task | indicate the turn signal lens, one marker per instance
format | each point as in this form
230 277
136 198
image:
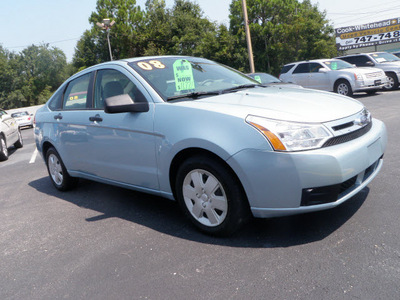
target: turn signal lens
275 141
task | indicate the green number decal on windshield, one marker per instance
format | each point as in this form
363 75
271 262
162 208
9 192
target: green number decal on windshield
334 65
258 78
183 74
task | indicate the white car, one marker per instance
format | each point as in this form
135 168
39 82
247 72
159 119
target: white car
10 134
388 62
23 118
334 75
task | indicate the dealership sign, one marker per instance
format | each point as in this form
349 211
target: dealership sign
371 34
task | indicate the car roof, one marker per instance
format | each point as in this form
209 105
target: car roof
311 60
125 61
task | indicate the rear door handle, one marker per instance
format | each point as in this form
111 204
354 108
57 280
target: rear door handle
58 117
96 118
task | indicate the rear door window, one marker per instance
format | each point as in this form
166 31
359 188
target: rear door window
76 94
302 68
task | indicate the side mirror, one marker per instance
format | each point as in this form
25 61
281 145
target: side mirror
124 103
369 63
323 70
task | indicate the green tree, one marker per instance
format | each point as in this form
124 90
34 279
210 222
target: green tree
125 35
29 78
283 31
7 77
40 68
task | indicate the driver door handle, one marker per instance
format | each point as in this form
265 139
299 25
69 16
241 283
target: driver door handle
96 118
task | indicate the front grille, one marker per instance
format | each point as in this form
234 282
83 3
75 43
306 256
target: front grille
348 136
373 75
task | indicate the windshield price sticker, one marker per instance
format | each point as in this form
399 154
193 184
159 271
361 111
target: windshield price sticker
258 78
148 66
183 75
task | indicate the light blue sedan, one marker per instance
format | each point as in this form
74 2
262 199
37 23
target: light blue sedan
220 143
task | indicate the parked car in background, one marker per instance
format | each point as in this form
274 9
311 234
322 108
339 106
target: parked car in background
10 134
334 75
397 53
270 80
388 62
221 144
23 118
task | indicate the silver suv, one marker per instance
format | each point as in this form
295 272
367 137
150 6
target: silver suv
10 134
386 61
334 75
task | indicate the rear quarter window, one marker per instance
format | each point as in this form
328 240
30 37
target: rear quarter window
286 68
56 101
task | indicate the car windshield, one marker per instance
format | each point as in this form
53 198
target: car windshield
19 114
264 78
384 57
175 77
337 64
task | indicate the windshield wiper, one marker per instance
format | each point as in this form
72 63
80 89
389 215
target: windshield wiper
192 95
239 87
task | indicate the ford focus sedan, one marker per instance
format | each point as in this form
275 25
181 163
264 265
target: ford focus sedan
218 142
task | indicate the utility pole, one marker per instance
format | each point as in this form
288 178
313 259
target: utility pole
106 25
248 37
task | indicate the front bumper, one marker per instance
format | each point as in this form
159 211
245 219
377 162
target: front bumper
370 84
276 183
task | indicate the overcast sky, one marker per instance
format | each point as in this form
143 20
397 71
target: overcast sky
62 22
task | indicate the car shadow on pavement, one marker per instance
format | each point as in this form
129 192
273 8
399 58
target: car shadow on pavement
164 216
365 95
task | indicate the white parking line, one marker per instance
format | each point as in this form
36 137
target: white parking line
33 157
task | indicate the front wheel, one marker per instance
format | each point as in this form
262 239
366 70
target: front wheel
57 171
343 87
393 82
211 196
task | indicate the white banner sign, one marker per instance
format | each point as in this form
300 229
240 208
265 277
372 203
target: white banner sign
377 33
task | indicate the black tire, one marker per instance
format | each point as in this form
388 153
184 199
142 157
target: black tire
3 148
20 142
211 196
343 87
371 92
393 82
57 171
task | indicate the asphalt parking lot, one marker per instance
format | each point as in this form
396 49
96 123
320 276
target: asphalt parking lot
104 242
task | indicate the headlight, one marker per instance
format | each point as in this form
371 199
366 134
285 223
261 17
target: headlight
290 136
358 76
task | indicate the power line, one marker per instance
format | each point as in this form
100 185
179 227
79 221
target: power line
50 43
364 13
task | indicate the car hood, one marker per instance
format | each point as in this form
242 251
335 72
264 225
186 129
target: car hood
392 64
363 70
283 103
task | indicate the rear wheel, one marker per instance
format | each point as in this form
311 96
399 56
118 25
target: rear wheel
343 87
57 171
3 149
211 196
